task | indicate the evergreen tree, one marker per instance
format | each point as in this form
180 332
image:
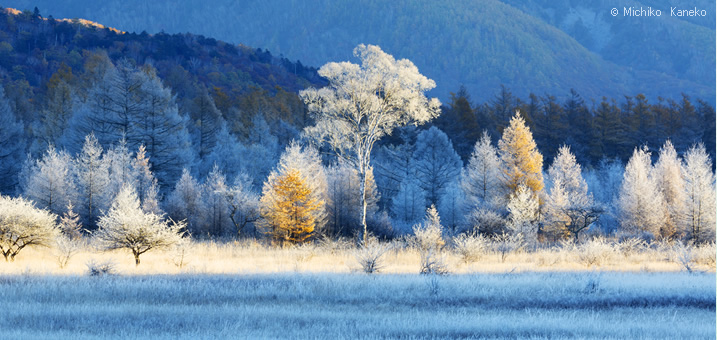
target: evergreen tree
641 203
49 181
522 163
186 203
12 146
670 183
436 162
700 191
92 174
288 208
481 179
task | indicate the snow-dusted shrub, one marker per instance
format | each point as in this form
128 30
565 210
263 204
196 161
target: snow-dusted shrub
630 245
66 248
705 254
505 243
429 234
594 252
101 268
370 255
471 246
22 225
433 262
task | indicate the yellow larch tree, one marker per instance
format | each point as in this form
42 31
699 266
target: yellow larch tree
523 164
288 208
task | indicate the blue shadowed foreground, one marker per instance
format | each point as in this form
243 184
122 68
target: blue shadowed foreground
331 306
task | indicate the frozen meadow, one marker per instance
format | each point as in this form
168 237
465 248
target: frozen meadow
250 290
334 306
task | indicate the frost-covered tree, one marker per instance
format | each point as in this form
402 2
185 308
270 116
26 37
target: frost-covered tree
640 203
121 169
22 225
522 163
162 131
450 206
569 209
410 202
186 203
604 184
57 113
132 103
436 162
481 179
671 184
207 121
92 173
146 184
363 103
244 208
126 226
218 221
393 163
699 182
12 146
523 213
70 224
49 181
227 154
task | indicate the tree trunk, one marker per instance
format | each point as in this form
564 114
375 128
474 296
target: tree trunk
362 183
136 259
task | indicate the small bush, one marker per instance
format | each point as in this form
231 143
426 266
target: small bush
470 247
705 255
432 262
101 268
370 255
630 245
594 252
505 243
429 234
66 248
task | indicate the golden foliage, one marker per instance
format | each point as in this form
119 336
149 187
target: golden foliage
288 208
523 162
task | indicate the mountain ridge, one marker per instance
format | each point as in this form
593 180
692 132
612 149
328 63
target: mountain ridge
479 45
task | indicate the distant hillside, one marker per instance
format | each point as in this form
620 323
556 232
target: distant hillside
36 53
539 46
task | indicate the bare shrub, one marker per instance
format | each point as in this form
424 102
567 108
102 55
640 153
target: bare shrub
505 243
471 246
433 262
304 252
594 252
684 256
66 248
429 234
333 246
370 255
101 268
179 253
705 254
428 240
630 245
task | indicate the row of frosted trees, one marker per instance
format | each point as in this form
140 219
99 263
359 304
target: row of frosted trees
503 189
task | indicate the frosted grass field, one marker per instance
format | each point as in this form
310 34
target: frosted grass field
340 306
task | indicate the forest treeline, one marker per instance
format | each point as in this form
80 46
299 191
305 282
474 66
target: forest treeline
204 132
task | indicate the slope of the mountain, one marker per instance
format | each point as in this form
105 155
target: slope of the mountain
33 49
536 46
